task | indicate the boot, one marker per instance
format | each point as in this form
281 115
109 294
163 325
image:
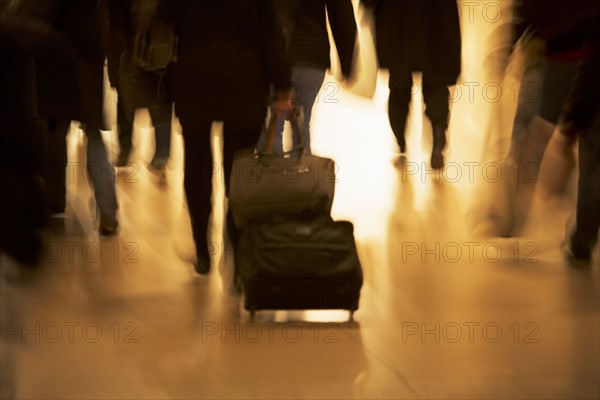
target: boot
439 143
398 127
398 113
162 134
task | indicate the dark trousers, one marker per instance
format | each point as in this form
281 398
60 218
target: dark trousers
435 95
125 126
588 190
55 163
141 89
199 168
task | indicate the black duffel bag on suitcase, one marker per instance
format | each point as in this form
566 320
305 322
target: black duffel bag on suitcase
298 265
265 186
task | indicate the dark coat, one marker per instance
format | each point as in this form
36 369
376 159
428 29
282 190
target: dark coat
309 42
118 32
561 23
583 103
418 35
77 24
21 135
20 142
113 36
229 53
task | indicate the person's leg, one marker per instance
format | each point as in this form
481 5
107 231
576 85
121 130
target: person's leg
400 96
547 100
585 235
161 117
125 130
437 108
55 164
398 113
306 83
198 171
540 108
132 95
557 79
528 106
102 176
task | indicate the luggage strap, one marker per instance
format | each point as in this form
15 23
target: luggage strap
296 118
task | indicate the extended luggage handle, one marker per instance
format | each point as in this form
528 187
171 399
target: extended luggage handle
296 118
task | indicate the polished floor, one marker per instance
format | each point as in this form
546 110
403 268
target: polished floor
449 310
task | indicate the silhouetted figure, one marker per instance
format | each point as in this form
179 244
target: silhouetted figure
22 216
78 22
229 55
21 148
413 36
138 87
551 37
304 24
581 119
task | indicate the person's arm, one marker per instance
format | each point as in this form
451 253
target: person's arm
343 28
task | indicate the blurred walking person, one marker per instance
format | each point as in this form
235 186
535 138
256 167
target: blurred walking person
129 27
304 24
419 36
77 21
551 42
581 120
230 53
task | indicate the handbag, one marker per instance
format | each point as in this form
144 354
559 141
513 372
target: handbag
155 43
268 187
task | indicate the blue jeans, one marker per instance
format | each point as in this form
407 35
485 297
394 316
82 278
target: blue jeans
306 83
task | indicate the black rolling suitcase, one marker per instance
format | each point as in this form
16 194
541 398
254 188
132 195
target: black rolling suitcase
298 265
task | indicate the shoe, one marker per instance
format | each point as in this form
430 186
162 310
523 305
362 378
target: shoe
52 208
578 260
402 144
158 164
202 265
439 144
109 226
399 161
122 160
578 254
437 159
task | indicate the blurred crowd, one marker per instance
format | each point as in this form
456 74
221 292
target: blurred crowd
237 61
